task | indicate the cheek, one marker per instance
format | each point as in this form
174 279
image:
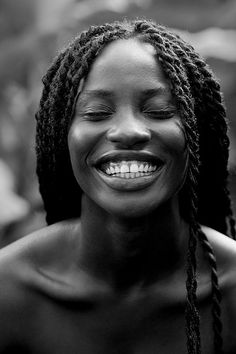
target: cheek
180 153
78 144
175 146
173 139
179 149
81 140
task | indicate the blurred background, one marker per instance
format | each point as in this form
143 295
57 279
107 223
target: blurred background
31 33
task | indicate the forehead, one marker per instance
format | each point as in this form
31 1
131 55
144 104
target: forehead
126 64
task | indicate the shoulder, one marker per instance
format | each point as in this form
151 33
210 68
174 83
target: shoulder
21 275
21 279
52 247
43 245
224 249
24 290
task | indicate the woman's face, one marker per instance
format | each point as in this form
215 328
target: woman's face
126 142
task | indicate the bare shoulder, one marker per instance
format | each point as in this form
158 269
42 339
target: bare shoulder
41 244
21 261
225 251
21 283
49 248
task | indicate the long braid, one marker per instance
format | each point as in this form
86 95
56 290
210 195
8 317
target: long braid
216 294
197 95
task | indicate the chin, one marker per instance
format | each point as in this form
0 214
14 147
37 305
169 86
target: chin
133 208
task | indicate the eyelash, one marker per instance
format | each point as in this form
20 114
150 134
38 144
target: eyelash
155 114
97 115
161 114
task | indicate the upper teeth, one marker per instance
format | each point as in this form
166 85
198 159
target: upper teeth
129 167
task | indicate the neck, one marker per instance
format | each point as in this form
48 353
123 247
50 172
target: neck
140 250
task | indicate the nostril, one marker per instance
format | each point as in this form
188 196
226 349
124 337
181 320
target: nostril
129 137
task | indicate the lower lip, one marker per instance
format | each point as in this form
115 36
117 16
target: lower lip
130 184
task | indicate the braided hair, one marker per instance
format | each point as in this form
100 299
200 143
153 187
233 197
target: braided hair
204 199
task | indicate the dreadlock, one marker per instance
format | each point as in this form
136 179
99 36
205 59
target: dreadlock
204 198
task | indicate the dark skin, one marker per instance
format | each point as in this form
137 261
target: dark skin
113 281
48 304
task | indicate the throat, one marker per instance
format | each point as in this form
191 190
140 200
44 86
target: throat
132 251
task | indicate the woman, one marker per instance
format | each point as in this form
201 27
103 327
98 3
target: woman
132 153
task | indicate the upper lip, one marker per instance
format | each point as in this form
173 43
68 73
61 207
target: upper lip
144 156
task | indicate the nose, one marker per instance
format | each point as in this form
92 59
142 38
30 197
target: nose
128 130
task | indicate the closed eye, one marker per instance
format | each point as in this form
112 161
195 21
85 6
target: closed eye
97 115
95 112
159 114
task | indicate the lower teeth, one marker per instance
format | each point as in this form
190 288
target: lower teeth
130 175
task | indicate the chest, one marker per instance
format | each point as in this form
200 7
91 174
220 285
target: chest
121 328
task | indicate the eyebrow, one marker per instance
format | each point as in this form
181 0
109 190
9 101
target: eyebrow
159 91
96 93
144 94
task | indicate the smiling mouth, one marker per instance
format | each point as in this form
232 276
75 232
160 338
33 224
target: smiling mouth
129 169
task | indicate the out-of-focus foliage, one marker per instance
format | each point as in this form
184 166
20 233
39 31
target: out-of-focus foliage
31 32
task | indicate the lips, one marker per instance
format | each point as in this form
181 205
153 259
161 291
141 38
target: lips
128 170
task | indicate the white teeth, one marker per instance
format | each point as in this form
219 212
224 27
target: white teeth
124 168
117 170
129 169
134 167
141 167
112 169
